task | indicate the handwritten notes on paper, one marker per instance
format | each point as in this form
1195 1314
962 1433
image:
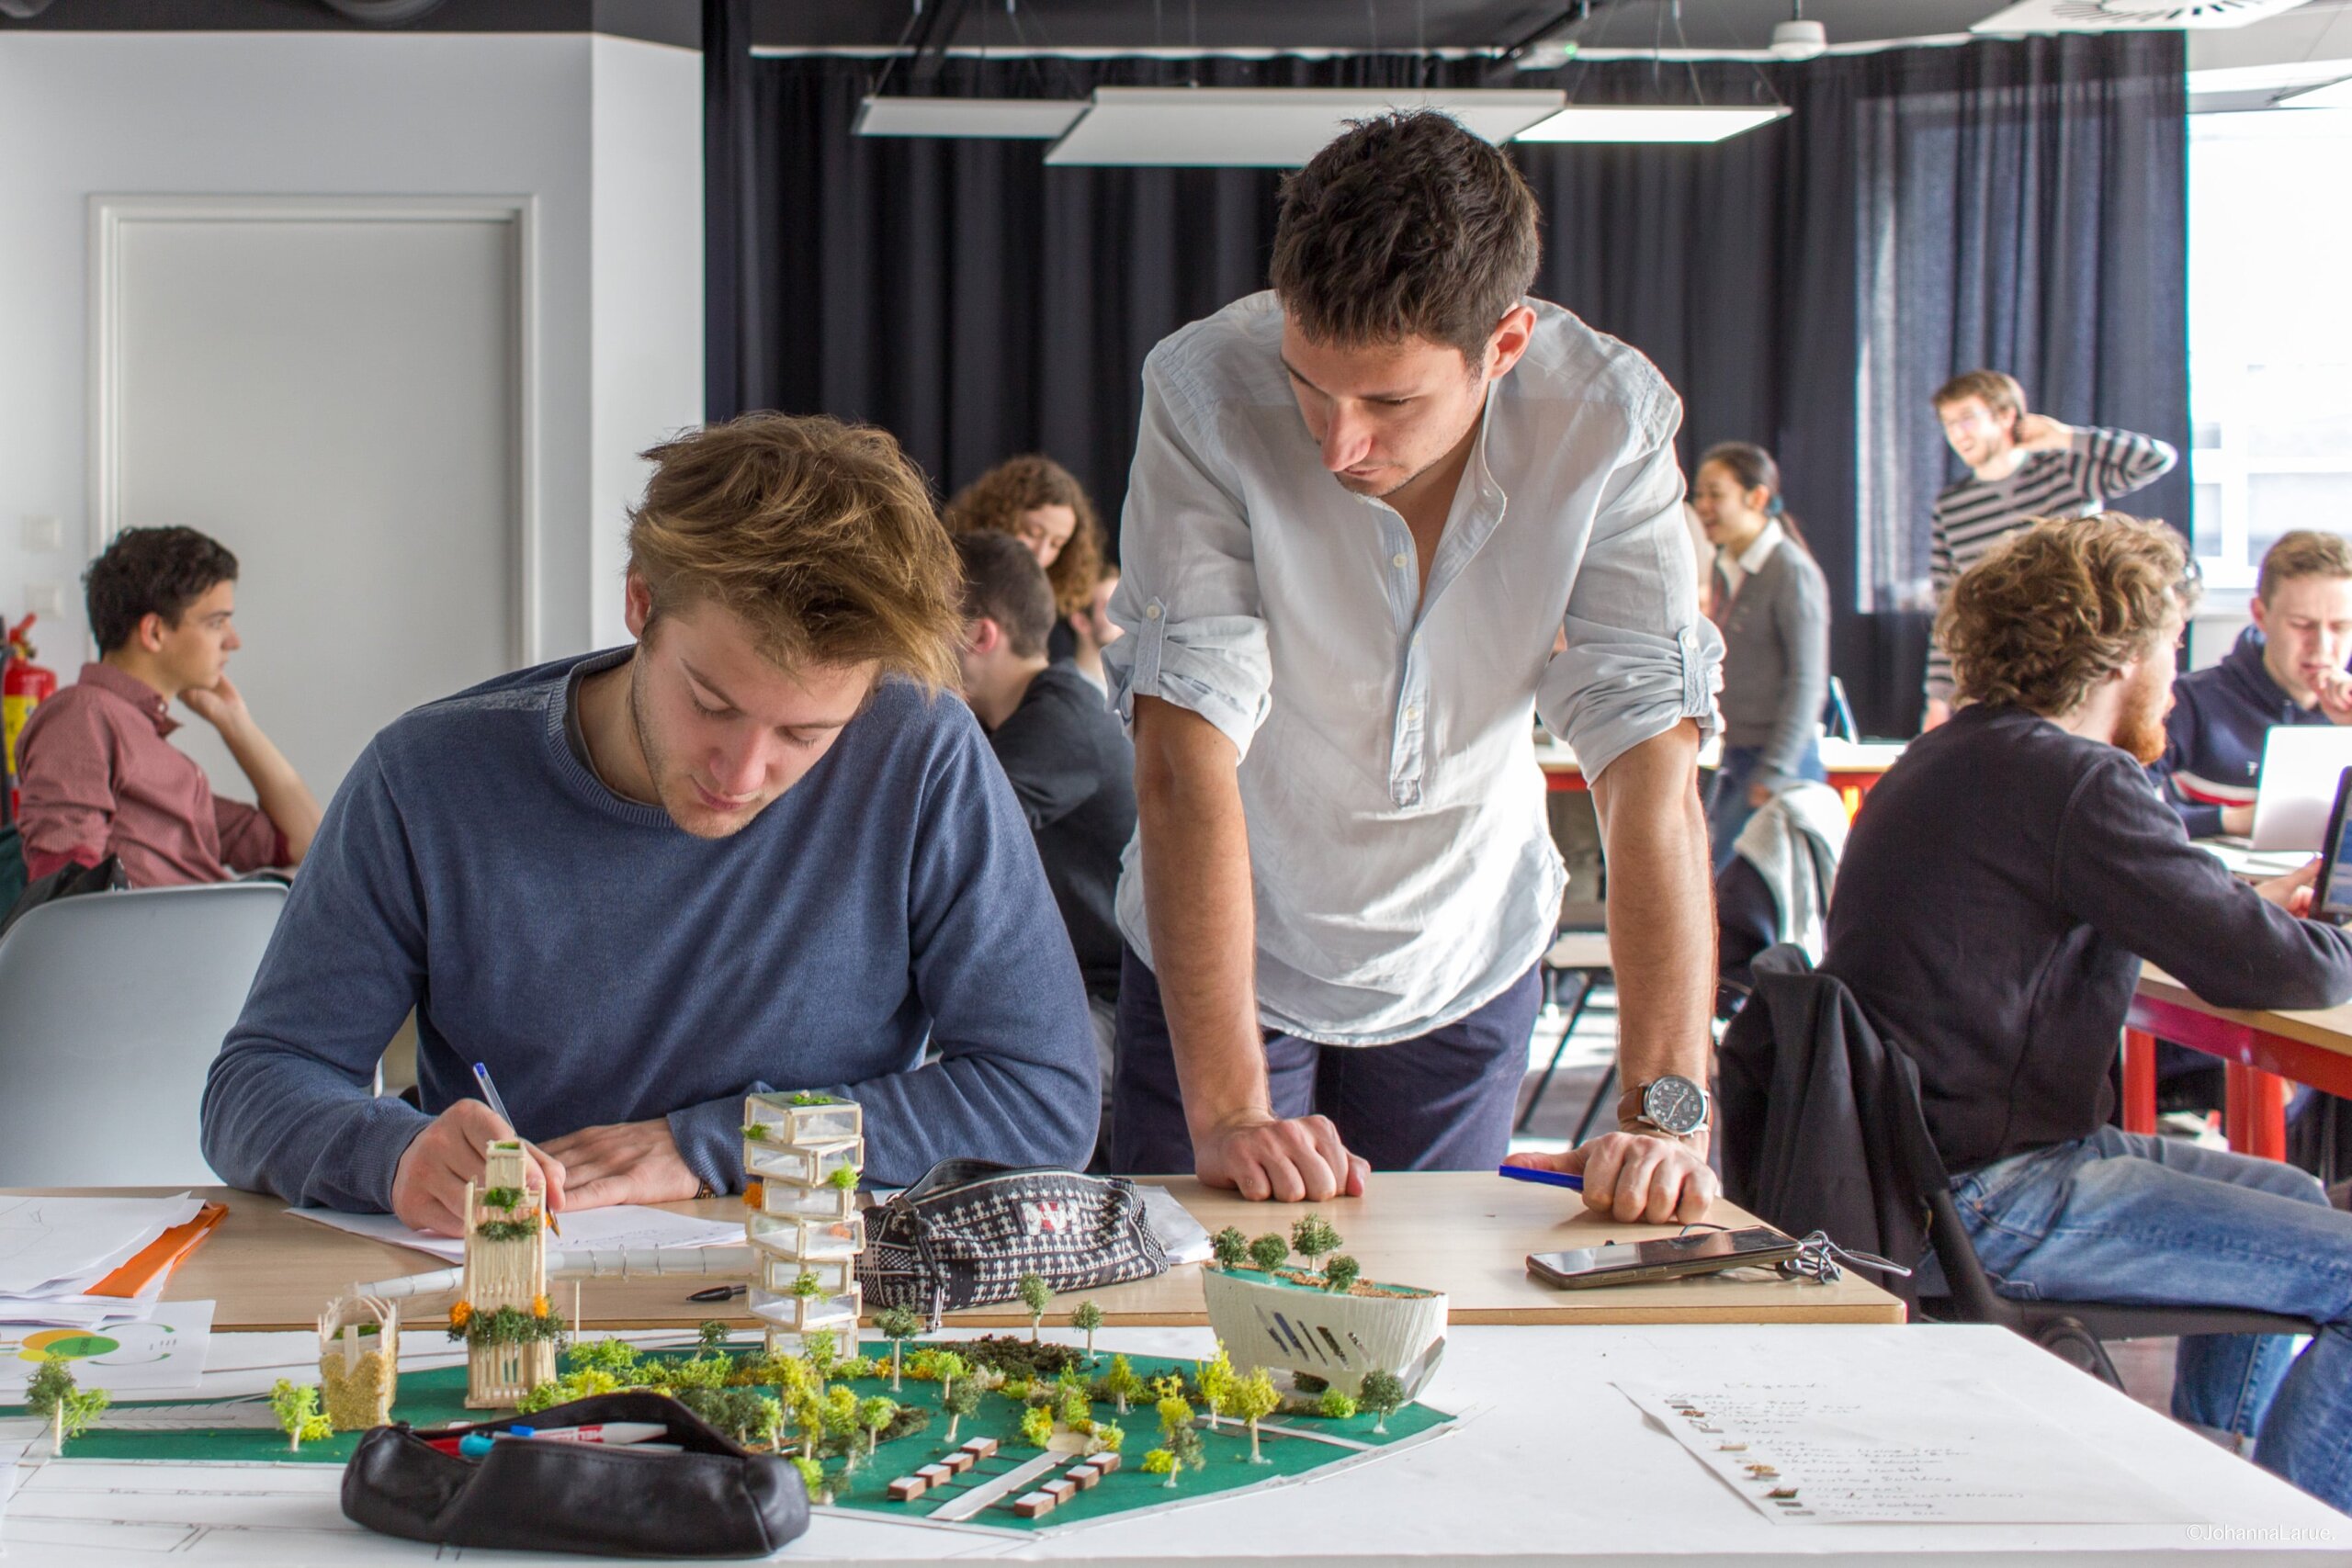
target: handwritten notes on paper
1931 1453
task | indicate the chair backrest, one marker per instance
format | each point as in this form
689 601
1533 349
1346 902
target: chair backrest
112 1008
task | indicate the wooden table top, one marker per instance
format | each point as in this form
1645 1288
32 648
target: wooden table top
2328 1029
1464 1233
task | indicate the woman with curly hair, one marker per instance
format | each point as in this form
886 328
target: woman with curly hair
1042 504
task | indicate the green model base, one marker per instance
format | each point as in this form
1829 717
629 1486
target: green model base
437 1398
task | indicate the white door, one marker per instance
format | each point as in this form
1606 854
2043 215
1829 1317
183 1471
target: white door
335 390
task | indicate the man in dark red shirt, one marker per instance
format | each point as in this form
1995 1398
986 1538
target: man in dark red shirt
99 778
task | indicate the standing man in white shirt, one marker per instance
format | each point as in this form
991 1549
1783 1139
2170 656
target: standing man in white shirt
1362 508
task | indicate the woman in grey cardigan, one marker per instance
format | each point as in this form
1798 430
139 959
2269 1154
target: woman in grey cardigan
1774 607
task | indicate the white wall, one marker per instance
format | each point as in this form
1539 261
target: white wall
603 133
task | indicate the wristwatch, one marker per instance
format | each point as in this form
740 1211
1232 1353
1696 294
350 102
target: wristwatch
1669 1103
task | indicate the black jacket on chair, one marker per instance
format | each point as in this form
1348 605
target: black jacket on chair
1819 1117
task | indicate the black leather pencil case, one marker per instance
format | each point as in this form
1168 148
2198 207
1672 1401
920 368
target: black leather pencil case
712 1499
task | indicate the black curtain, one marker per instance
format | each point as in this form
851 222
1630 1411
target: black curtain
978 303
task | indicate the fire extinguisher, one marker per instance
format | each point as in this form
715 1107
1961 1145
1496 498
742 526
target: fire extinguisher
24 686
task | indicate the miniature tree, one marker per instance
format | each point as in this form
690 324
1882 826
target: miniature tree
1185 1447
769 1428
1335 1406
806 1283
808 1419
297 1408
1087 1317
812 1478
1340 1273
1072 1405
1037 1426
1034 1295
844 1178
1312 1237
1109 1438
897 1325
1231 1248
1160 1462
873 1414
961 1399
817 1347
1175 1415
1254 1397
1268 1252
1382 1391
710 1339
1122 1383
950 1369
1216 1381
70 1410
617 1357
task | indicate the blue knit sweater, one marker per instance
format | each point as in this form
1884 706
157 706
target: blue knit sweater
2213 736
608 967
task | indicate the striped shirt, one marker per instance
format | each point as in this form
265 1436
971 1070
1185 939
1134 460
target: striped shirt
2096 466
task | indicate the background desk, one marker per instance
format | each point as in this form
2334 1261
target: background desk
2261 1049
1464 1233
1550 1464
1853 766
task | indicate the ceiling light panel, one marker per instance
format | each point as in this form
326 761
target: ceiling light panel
2128 16
1643 122
1011 119
1269 127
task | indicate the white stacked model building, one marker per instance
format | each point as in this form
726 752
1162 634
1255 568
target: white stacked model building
506 1271
803 1154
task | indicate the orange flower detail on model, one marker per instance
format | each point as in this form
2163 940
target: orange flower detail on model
539 1306
459 1312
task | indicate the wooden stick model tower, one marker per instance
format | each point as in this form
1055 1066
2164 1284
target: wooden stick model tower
803 1154
502 1310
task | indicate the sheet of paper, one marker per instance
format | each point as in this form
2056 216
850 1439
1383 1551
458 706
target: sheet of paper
1928 1453
62 1246
165 1354
626 1224
1185 1238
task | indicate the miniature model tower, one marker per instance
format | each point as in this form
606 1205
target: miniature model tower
802 1154
502 1310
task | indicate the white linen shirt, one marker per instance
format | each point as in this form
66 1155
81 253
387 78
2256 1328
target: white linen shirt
1403 868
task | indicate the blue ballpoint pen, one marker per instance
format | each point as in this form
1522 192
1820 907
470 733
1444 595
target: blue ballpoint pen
1548 1177
490 1095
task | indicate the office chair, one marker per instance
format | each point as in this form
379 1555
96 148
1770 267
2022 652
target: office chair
112 1007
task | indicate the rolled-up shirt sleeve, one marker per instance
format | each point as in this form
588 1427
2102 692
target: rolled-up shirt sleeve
1188 586
1640 659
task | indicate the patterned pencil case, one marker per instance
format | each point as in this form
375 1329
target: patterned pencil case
965 1233
711 1499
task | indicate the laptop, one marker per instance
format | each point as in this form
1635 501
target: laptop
2301 765
2332 894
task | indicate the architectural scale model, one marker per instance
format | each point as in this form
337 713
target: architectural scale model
1320 1323
502 1311
359 1361
802 1154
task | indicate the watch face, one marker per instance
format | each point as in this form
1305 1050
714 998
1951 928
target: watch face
1676 1104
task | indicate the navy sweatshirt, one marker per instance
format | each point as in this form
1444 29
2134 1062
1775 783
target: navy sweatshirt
2215 732
1998 894
609 966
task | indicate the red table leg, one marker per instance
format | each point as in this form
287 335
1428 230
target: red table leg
2139 1081
2257 1112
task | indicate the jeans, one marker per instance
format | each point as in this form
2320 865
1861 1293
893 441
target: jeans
2127 1218
1442 1101
1728 807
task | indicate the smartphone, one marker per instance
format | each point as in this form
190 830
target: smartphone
1641 1262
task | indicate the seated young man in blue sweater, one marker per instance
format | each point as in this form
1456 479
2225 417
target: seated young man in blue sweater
2287 668
1994 906
753 852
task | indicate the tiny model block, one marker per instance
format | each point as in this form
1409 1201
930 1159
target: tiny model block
1061 1489
936 1474
1104 1462
360 1370
981 1448
501 1311
959 1462
1086 1475
906 1488
1034 1505
803 1153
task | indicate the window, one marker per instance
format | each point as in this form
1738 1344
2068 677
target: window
2269 332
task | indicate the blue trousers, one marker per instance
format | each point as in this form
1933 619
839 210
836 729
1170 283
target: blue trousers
1728 807
2129 1218
1441 1101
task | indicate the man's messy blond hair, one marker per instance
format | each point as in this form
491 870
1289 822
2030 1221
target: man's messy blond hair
820 536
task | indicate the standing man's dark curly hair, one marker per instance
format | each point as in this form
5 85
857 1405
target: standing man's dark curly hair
1406 225
151 571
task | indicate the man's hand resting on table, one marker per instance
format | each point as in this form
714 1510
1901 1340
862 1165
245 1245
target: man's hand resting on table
1263 1156
429 1183
1631 1177
627 1162
2294 891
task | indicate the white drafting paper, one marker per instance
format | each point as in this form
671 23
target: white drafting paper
1926 1453
62 1245
1184 1237
163 1354
626 1225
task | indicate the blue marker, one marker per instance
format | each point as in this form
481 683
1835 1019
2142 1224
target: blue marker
1546 1177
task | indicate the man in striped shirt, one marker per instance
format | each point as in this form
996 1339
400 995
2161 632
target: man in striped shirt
2021 467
